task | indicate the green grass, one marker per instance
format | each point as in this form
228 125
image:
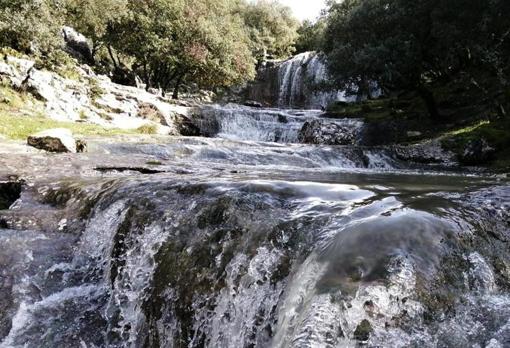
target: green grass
19 127
496 133
22 115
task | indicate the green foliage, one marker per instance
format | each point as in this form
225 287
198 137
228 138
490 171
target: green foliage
30 26
93 17
59 62
407 45
271 27
310 36
173 42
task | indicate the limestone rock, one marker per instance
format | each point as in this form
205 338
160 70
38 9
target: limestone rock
77 45
427 152
324 133
54 140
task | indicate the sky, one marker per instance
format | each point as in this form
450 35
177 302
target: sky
305 9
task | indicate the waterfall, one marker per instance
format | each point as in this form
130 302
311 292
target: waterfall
237 122
178 261
298 78
296 83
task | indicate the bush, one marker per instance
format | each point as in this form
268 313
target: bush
147 129
60 62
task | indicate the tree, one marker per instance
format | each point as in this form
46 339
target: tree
184 41
271 27
92 18
408 45
310 36
31 26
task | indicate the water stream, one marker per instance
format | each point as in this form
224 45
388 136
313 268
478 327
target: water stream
250 238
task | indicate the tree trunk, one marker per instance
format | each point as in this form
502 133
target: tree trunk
146 77
168 80
430 102
110 52
177 86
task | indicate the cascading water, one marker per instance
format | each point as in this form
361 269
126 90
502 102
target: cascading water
266 234
298 79
297 83
237 122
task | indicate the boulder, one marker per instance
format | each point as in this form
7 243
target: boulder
77 45
185 126
476 152
323 133
54 140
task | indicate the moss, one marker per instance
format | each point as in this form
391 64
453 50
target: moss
496 133
363 331
8 51
83 115
147 129
154 163
375 110
95 90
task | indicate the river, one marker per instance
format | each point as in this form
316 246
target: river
250 238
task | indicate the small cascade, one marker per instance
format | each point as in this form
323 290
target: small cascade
179 262
237 122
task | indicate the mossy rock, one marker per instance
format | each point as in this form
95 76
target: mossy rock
363 331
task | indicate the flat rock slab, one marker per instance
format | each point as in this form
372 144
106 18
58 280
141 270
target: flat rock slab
53 140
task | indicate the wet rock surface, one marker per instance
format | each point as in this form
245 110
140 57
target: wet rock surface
324 133
477 152
10 192
221 242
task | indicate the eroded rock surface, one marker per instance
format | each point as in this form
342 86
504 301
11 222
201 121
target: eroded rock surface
326 133
94 99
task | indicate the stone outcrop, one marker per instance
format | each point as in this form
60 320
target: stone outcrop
94 98
77 45
428 152
56 140
325 133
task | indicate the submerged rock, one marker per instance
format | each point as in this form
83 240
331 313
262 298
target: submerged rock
9 192
55 140
477 152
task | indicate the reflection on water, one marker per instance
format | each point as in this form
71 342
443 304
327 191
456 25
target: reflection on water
246 244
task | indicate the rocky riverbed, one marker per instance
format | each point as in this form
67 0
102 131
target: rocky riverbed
240 239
